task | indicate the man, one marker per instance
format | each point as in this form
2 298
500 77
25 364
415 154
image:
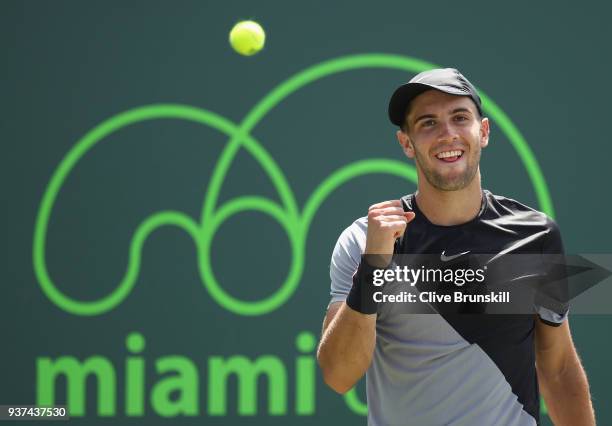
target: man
439 369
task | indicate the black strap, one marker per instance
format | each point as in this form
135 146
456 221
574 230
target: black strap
399 242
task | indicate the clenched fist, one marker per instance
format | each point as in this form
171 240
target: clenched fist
386 222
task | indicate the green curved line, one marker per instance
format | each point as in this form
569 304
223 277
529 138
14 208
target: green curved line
159 219
223 165
291 282
283 90
351 171
525 154
78 151
404 63
355 404
287 214
255 202
325 69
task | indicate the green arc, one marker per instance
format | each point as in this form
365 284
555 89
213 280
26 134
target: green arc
287 214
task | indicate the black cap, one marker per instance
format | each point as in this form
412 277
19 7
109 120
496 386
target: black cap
447 80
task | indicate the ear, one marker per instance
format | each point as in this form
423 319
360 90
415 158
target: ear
406 143
484 132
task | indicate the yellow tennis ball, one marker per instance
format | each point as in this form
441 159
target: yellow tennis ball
247 38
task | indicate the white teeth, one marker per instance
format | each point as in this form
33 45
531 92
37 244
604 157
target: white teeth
446 154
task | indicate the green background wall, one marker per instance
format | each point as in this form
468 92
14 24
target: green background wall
69 65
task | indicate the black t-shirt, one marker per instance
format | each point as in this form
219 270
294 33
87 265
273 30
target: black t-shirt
502 225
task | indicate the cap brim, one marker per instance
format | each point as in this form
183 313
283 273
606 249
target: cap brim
403 95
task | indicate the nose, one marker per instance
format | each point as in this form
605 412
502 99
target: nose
448 133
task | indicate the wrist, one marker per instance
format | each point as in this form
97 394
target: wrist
361 295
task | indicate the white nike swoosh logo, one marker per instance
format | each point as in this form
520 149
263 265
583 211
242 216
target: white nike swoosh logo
445 258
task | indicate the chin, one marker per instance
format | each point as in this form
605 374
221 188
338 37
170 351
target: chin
454 186
450 183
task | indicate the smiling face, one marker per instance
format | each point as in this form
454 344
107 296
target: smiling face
444 134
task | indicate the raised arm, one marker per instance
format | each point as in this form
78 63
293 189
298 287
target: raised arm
349 329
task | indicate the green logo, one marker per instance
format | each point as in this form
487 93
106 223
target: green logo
181 383
294 221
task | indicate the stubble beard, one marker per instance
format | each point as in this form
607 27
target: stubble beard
455 183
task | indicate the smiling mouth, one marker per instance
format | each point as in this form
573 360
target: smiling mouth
450 156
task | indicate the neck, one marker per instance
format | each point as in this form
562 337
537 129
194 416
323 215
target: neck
449 208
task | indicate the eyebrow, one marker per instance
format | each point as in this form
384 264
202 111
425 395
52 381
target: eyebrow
455 111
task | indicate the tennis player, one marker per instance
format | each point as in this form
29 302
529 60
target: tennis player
435 369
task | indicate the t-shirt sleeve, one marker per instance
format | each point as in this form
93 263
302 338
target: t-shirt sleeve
552 305
345 259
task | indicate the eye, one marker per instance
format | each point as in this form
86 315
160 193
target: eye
429 123
461 118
